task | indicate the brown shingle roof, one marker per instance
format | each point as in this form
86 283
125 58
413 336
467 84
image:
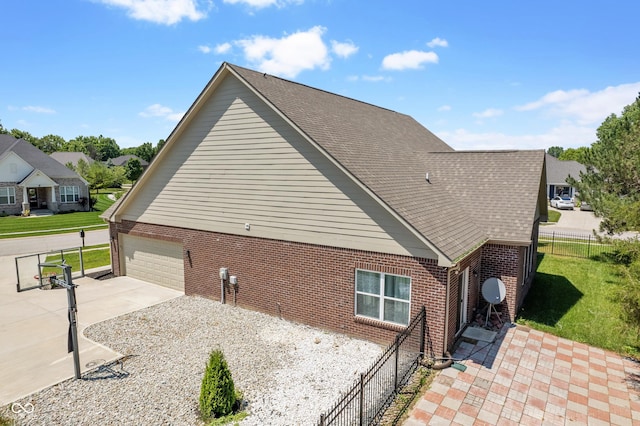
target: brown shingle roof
123 159
497 189
558 170
384 150
36 158
470 198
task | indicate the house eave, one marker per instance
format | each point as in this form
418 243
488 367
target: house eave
510 242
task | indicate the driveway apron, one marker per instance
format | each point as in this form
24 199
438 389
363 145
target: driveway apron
527 377
34 328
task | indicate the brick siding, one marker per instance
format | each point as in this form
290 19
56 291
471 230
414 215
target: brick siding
315 285
306 283
83 192
504 262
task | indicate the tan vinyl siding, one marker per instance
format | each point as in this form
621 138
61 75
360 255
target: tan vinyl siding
239 162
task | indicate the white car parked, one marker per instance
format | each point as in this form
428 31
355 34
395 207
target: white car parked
562 202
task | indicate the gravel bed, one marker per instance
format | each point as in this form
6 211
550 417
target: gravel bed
289 373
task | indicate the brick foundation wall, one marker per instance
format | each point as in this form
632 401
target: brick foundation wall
306 283
504 262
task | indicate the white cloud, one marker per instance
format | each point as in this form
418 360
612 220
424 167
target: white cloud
38 109
157 110
369 78
375 78
344 50
289 55
583 106
438 42
564 134
175 116
223 48
559 96
412 59
488 113
260 4
444 108
204 49
167 12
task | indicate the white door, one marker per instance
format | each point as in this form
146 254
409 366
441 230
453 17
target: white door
463 299
155 261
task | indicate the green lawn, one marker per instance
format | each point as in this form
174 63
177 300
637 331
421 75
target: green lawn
554 216
92 257
15 226
572 246
576 299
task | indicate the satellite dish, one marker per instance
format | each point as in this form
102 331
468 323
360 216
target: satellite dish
494 291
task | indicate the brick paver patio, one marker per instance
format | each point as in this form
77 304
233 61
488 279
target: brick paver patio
527 377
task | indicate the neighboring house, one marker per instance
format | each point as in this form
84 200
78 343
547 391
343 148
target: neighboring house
30 179
65 158
124 159
329 211
557 173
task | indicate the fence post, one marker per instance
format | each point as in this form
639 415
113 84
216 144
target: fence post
361 422
423 312
395 369
589 246
553 240
81 261
322 421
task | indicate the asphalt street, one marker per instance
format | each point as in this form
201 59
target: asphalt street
42 244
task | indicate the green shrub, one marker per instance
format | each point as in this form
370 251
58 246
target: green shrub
217 393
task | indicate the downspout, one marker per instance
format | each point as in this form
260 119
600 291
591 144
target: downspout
446 312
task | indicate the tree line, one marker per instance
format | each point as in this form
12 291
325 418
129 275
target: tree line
575 154
98 148
611 185
100 173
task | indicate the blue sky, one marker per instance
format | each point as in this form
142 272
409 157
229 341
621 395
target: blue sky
481 75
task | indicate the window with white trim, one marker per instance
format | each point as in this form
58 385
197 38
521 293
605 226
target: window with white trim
7 195
69 194
384 297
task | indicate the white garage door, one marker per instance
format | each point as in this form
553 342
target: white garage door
155 261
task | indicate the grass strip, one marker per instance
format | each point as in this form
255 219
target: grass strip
92 257
16 226
577 299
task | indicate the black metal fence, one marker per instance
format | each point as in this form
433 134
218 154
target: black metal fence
571 244
367 400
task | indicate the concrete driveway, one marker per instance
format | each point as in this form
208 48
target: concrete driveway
574 221
580 222
34 327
